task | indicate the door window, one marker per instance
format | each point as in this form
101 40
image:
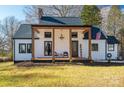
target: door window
48 48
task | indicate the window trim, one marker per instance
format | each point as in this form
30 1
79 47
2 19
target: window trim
51 49
20 47
45 34
112 47
76 34
97 47
27 48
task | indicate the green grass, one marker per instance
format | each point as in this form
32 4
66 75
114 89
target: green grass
68 75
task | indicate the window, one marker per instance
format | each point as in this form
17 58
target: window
110 47
47 35
22 48
94 47
74 34
29 48
48 48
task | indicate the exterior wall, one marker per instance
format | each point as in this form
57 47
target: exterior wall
80 41
60 45
115 52
96 55
63 45
21 56
39 44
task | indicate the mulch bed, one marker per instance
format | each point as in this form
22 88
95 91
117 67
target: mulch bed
31 64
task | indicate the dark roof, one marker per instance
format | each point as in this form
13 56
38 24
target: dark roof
72 21
112 40
25 30
94 31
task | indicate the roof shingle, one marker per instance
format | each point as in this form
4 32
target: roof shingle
45 20
25 30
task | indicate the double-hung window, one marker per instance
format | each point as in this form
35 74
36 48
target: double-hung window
95 47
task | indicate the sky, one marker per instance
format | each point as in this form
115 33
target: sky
17 11
12 10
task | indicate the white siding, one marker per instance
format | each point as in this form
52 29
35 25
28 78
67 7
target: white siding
21 56
96 55
62 45
115 52
39 44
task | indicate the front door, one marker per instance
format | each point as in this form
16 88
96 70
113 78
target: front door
74 48
48 48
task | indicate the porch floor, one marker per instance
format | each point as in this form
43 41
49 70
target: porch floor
73 58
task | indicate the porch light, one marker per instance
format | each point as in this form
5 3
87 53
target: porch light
61 36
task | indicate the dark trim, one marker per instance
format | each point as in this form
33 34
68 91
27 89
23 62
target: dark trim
27 48
44 48
14 50
92 47
106 50
76 34
19 48
40 25
113 47
45 34
77 48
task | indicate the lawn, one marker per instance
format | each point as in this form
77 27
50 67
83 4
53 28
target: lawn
61 76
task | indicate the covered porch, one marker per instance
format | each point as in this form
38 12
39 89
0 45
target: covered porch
54 56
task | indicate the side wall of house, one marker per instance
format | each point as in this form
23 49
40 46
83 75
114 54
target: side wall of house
96 55
21 56
115 52
62 45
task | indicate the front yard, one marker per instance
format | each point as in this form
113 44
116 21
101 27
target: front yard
67 75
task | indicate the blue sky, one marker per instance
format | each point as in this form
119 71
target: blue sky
17 11
12 10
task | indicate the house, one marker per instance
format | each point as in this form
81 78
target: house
62 39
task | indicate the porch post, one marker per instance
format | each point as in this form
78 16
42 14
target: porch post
90 45
33 47
53 45
70 45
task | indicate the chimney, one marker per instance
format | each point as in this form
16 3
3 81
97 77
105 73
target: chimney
40 14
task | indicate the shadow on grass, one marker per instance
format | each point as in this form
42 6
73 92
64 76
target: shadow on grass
102 64
84 63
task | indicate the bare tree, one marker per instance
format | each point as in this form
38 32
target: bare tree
32 12
2 41
8 28
65 10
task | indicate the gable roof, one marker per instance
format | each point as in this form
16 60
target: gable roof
94 31
25 30
71 21
112 40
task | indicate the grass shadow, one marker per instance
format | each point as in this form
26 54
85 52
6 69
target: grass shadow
102 64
